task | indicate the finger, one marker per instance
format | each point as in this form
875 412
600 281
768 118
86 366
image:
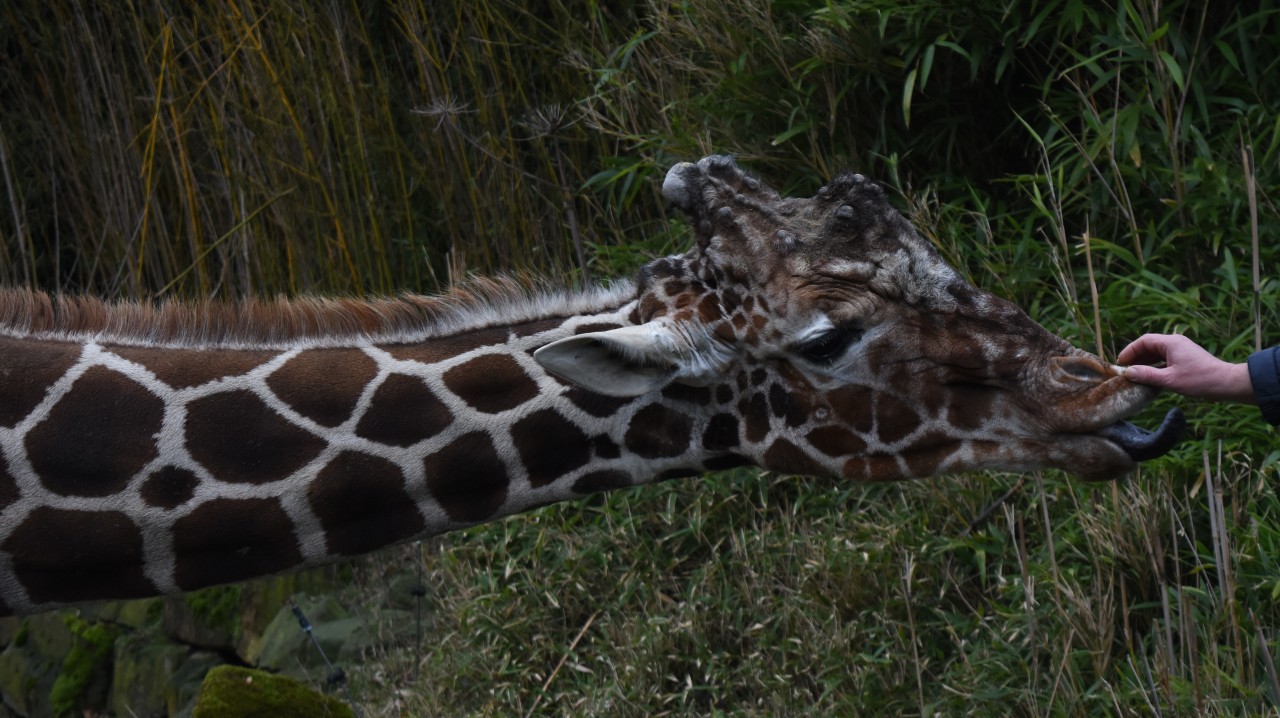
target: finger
1141 374
1146 349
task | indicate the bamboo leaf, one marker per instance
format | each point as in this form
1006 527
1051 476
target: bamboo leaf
908 89
1174 70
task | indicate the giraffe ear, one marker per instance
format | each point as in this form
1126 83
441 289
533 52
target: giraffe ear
628 361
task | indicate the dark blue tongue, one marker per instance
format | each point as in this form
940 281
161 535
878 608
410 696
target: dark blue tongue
1141 444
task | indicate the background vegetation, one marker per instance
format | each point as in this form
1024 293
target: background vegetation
1111 166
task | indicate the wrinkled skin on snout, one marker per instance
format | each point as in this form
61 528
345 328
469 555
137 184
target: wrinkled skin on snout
830 339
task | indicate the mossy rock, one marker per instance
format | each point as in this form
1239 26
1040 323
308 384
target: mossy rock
86 671
33 662
11 628
231 619
142 678
139 613
234 692
286 647
24 681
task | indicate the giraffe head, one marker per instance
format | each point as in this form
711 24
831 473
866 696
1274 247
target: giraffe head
829 338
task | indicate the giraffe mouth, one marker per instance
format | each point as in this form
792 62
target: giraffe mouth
1141 444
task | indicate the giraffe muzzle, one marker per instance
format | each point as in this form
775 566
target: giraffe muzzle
1143 445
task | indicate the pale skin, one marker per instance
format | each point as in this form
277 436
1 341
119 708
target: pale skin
1188 369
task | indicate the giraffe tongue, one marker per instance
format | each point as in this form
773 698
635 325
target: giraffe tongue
1141 444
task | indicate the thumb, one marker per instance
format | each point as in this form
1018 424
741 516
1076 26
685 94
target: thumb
1142 374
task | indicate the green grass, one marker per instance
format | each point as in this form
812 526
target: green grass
1092 161
763 595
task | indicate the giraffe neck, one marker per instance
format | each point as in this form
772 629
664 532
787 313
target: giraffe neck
132 468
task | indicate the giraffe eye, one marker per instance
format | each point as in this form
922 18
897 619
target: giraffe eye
831 344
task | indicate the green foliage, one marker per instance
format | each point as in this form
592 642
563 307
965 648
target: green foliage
89 655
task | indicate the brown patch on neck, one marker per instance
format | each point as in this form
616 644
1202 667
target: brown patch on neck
324 384
27 370
184 368
97 551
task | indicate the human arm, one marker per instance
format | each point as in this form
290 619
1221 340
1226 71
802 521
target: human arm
1188 369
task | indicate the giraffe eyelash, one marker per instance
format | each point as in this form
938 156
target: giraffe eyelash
831 344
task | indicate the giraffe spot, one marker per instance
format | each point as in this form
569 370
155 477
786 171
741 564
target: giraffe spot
788 458
239 439
437 349
779 402
467 478
597 405
324 384
925 455
169 487
858 468
721 433
8 486
970 408
550 446
539 326
63 555
28 368
605 448
657 431
403 412
895 418
672 287
709 308
362 504
728 461
595 327
853 406
597 481
731 299
699 395
491 383
794 398
724 394
97 436
226 540
650 306
183 368
835 441
684 473
755 411
758 377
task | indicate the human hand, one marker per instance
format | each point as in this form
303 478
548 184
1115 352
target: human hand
1188 369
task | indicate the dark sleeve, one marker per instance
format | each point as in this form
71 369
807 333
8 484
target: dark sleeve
1264 372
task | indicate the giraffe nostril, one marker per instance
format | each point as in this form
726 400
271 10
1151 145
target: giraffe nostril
1082 369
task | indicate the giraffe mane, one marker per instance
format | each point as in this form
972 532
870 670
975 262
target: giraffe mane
255 322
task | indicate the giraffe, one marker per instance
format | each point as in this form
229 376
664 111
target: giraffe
156 449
